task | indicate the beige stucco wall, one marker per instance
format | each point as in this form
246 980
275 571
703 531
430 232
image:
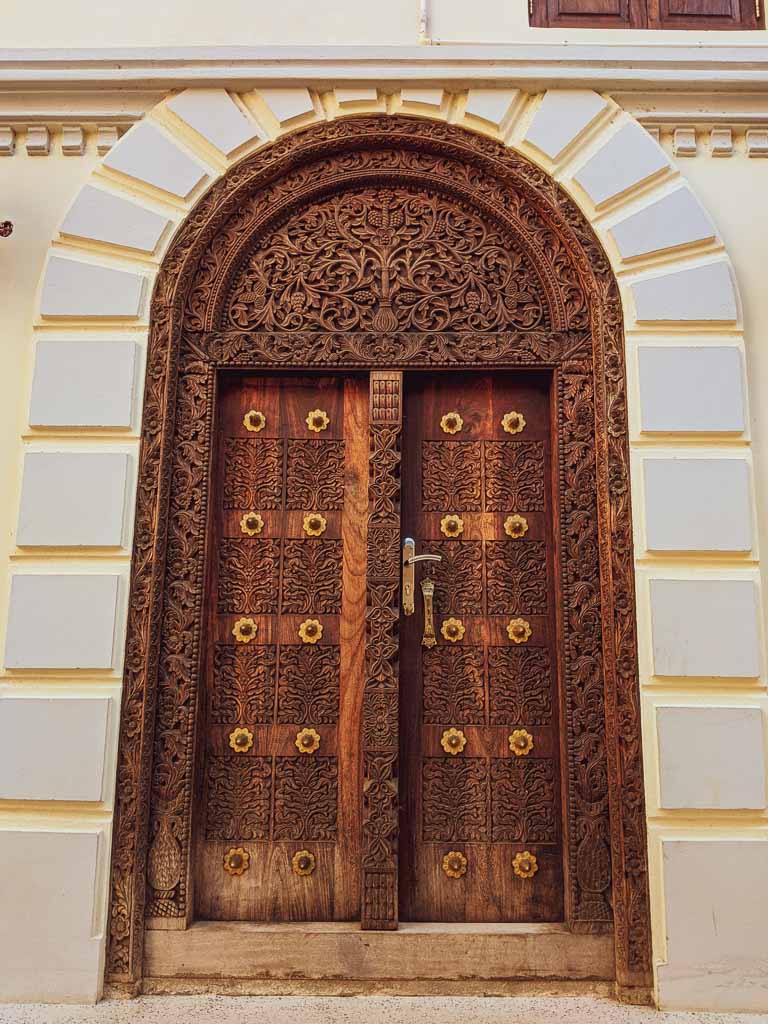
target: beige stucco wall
79 24
36 192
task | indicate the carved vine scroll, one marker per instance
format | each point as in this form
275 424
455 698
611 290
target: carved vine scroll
384 242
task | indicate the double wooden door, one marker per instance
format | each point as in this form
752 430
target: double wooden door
281 830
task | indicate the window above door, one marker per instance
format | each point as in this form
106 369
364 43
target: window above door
647 14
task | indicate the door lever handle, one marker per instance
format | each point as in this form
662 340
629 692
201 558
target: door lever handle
409 573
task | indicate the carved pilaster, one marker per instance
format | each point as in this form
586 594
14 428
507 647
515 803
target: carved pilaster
380 699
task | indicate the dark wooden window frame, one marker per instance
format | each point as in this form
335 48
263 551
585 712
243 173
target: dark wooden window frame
191 340
742 15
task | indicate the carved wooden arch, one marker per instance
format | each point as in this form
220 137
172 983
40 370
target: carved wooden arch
511 274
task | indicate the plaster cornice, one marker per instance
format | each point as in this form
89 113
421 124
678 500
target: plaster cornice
534 65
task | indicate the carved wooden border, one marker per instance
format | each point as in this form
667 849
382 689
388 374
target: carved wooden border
606 848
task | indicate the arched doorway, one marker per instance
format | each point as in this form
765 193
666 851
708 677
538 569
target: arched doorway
382 266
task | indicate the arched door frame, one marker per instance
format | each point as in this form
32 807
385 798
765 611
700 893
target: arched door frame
189 343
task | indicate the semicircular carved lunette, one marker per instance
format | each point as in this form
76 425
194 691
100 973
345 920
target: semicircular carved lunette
448 249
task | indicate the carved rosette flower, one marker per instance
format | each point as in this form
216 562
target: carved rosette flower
451 526
254 421
453 741
519 631
453 630
525 865
303 862
520 742
241 740
512 422
451 423
310 631
515 526
237 861
244 630
455 864
307 741
252 523
317 420
314 524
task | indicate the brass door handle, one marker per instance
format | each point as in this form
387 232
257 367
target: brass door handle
409 573
428 590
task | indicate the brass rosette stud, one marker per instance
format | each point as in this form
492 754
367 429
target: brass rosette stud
455 864
241 740
451 526
453 630
453 741
252 523
314 524
512 422
519 631
237 861
310 631
525 865
254 421
244 630
303 862
317 420
520 742
515 526
451 423
307 741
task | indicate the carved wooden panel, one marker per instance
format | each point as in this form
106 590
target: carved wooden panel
455 800
516 577
580 335
458 578
315 477
514 476
238 798
243 684
451 476
312 576
520 684
253 473
248 576
454 685
523 801
306 798
308 684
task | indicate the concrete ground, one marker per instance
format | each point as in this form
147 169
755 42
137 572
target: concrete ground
211 1009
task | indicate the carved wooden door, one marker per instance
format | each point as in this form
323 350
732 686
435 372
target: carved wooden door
279 832
480 836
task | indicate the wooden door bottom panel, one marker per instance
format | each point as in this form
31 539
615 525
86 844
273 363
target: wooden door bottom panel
343 952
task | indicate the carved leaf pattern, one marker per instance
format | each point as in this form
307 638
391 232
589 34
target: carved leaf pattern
453 685
239 790
253 473
396 244
384 482
248 575
451 476
458 578
384 553
380 714
308 685
523 800
312 576
380 810
514 476
243 684
454 795
520 683
306 798
516 577
315 475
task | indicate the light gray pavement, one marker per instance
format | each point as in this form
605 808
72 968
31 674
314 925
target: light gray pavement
210 1009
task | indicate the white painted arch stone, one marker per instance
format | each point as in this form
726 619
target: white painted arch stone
676 279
